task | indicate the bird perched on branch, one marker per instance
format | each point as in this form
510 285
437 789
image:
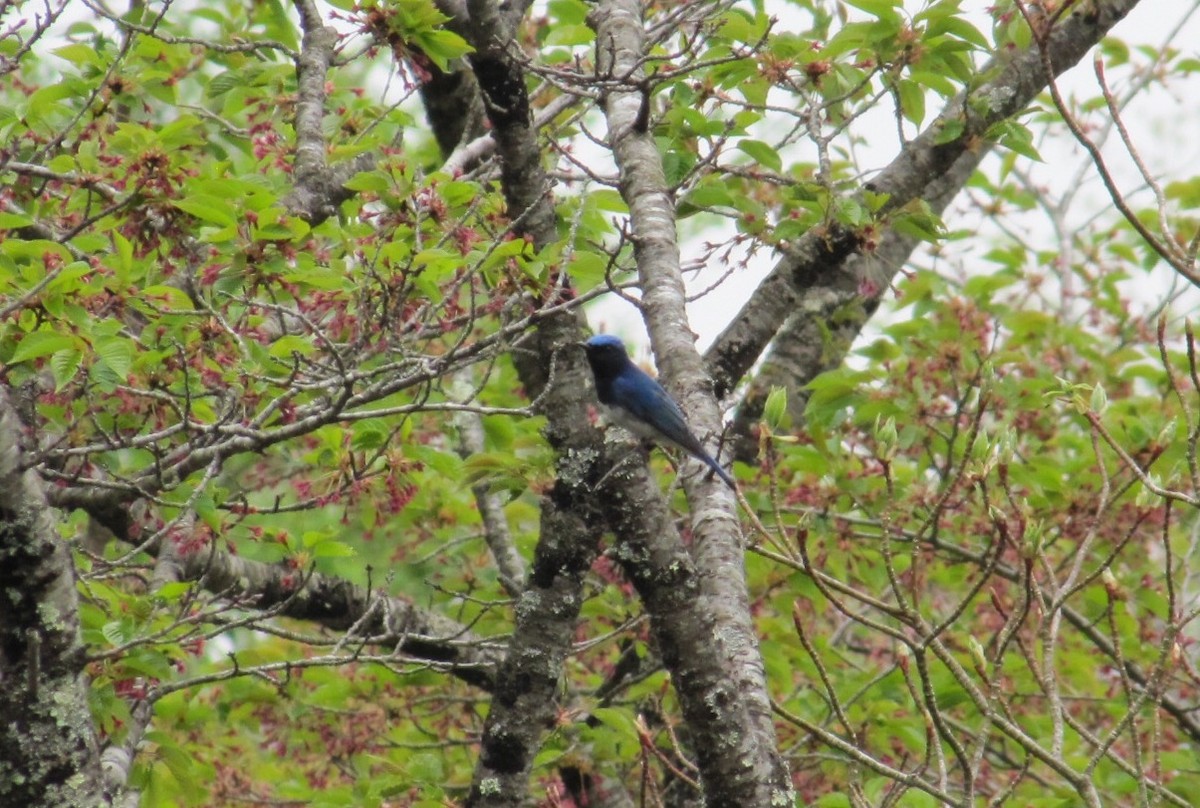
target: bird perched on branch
635 401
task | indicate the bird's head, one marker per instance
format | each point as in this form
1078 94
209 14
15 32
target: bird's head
606 354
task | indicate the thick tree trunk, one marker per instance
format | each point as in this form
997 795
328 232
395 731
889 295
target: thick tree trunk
48 752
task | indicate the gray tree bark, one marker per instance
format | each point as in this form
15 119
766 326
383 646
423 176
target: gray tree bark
48 750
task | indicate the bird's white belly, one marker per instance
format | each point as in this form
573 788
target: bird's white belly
618 416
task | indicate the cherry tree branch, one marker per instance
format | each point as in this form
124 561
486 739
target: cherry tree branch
527 684
1161 243
318 188
818 259
748 770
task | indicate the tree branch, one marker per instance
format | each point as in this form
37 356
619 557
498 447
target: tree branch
819 257
554 374
749 769
318 188
833 306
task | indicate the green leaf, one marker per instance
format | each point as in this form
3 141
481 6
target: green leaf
912 100
311 538
426 767
1187 191
376 181
116 353
949 131
288 344
333 549
959 27
763 154
569 35
938 82
174 590
208 208
117 632
568 12
64 365
676 165
1015 136
78 53
42 343
124 253
233 79
775 410
442 46
710 195
617 719
13 221
46 97
740 26
918 221
587 268
179 763
167 297
67 281
876 8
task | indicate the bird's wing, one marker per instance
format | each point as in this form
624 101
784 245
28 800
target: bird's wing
647 401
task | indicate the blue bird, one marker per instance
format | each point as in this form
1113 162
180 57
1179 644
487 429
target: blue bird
634 400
